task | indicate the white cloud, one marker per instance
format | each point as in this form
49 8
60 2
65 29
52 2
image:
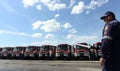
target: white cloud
51 4
46 1
72 31
37 35
45 42
49 36
72 2
37 24
54 5
36 43
69 39
57 15
77 9
13 33
67 25
23 34
39 7
76 38
50 26
87 12
93 4
28 3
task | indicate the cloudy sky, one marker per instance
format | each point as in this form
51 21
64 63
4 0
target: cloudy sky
39 22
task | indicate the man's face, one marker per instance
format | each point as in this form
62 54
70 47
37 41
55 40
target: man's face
105 20
108 19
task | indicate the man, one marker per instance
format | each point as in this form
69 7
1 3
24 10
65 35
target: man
110 49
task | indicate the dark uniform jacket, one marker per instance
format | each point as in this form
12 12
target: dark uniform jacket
111 46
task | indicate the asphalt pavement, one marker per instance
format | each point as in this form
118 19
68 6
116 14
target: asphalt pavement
48 65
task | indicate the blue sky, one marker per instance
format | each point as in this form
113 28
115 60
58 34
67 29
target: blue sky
39 22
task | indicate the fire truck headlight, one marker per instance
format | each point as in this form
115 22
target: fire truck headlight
76 54
86 54
56 54
46 54
31 55
40 54
66 54
18 54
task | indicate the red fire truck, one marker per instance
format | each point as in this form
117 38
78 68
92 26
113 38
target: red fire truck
47 52
0 51
6 52
18 52
31 52
81 51
97 47
64 51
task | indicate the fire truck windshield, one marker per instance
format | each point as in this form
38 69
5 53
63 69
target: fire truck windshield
98 45
80 47
5 49
29 49
16 49
44 48
65 47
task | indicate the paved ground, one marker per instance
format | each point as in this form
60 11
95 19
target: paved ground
44 65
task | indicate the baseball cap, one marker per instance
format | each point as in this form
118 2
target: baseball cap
108 13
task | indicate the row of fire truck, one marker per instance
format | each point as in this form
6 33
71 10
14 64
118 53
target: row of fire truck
61 51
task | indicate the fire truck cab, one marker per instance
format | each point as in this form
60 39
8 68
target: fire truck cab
97 47
32 52
6 52
18 52
0 51
47 52
81 51
64 51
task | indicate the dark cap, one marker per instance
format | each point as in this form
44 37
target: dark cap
108 13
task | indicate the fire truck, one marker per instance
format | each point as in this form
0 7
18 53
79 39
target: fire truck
81 51
47 52
93 53
64 51
6 52
32 52
18 52
97 47
0 51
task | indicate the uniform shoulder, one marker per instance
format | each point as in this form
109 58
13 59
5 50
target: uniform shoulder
114 23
